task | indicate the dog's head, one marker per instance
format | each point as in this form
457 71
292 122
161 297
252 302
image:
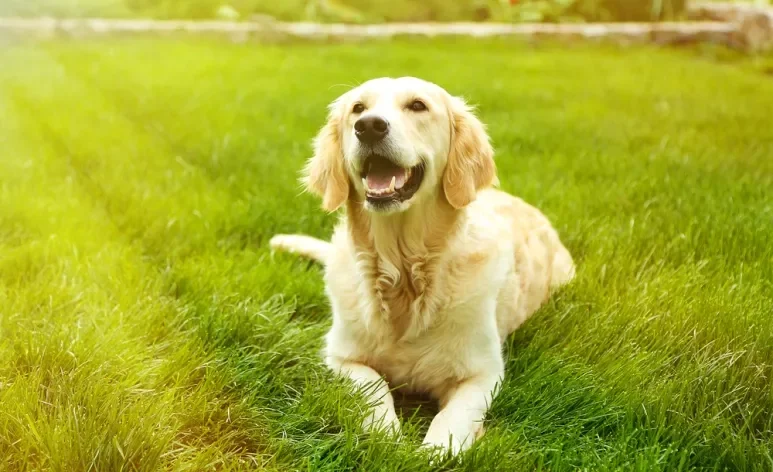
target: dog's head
396 142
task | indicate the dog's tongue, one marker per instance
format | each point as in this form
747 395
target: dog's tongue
380 176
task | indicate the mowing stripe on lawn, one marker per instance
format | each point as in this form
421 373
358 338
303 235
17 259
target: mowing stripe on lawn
105 380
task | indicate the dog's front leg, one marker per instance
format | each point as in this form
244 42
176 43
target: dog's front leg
460 421
383 415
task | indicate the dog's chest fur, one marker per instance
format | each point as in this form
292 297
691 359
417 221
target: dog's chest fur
404 296
402 317
405 324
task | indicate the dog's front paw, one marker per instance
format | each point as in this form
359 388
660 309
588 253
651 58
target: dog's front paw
382 419
443 445
448 436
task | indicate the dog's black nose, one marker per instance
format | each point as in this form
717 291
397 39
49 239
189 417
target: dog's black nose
371 129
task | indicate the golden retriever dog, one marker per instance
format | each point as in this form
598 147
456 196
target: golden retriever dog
430 268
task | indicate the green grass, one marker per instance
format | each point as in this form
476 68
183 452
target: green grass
144 324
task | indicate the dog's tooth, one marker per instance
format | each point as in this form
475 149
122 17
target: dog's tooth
365 183
392 185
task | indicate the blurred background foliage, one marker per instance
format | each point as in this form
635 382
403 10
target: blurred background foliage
360 11
379 11
366 11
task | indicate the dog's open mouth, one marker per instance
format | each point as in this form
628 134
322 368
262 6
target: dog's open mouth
385 181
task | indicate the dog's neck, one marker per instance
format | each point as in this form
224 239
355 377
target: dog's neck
400 255
423 230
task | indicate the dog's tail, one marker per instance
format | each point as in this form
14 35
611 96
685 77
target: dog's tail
306 246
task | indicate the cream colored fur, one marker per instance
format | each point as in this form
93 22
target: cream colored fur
424 296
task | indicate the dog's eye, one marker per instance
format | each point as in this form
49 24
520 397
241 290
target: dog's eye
417 105
358 108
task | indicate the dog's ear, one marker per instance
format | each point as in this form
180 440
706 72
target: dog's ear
324 173
470 166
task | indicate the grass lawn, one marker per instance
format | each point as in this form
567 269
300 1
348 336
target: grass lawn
144 324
